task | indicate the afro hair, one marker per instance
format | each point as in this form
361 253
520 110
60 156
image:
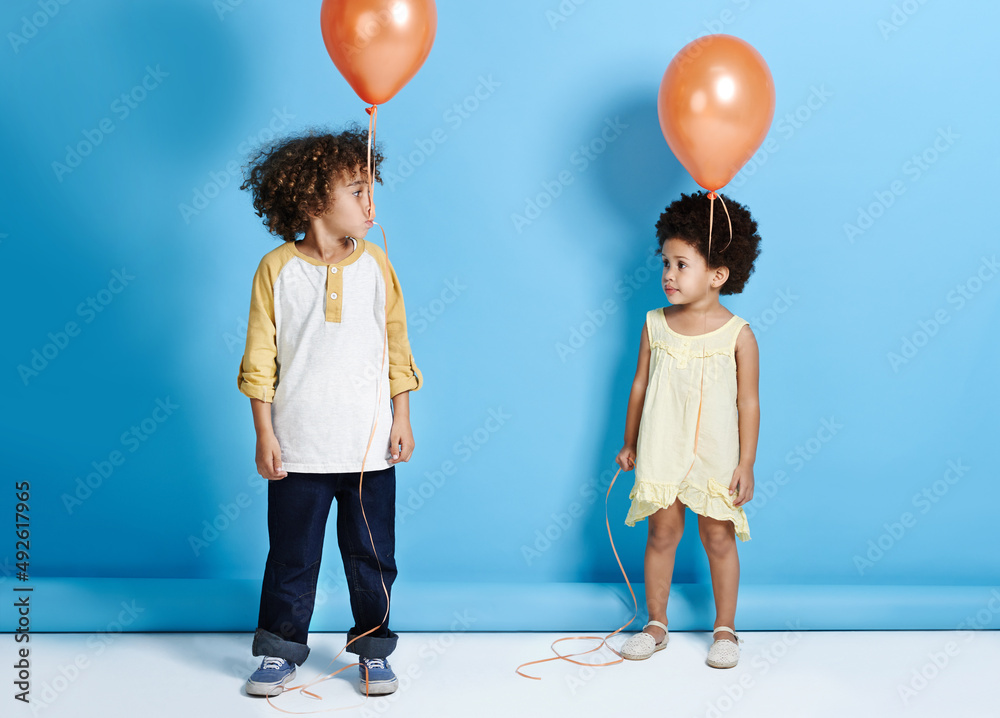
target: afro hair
686 219
296 176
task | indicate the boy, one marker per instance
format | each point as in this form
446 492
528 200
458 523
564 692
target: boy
323 312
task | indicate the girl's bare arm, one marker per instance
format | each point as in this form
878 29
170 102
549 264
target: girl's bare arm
747 400
637 397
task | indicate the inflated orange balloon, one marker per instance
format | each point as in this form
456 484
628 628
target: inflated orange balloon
715 104
378 45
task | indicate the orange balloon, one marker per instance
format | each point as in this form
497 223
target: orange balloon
378 45
715 104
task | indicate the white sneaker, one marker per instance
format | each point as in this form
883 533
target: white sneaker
724 653
641 646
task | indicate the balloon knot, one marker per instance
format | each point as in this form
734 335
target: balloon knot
369 109
712 195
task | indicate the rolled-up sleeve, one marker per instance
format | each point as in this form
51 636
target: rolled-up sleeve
403 372
259 368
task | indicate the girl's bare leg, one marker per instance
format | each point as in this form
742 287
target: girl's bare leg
666 527
719 540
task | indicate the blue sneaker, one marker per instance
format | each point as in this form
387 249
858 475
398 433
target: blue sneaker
271 677
381 679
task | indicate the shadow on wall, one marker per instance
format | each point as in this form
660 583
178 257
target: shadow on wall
639 177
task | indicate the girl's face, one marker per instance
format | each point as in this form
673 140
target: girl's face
686 276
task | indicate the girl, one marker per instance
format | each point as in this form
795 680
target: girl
693 415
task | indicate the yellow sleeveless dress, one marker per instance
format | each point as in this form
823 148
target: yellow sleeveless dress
665 448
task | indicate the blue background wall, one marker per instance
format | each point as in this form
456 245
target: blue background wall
869 98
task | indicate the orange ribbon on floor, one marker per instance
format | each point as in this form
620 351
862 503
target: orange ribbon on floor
372 111
603 641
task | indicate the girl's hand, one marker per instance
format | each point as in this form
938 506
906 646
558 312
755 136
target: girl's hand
742 484
626 458
269 458
401 443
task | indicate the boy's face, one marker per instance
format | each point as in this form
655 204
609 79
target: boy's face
348 215
686 275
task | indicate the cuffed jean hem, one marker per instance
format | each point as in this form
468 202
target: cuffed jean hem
369 647
266 643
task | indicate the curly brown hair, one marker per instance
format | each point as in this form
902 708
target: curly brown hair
296 175
686 219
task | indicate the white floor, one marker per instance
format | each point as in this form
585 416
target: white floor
801 674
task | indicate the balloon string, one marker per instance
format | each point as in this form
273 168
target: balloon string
711 211
701 387
603 641
701 395
372 113
378 403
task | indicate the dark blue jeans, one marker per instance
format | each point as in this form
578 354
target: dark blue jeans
297 509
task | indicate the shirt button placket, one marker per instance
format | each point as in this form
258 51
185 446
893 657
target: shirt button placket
335 288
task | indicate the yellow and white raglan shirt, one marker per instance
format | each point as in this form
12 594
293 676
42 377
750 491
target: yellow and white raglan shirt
315 339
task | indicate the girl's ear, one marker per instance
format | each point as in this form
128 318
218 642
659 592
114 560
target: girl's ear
720 276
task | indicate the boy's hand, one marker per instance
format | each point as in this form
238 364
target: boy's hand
400 440
626 458
743 484
269 458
